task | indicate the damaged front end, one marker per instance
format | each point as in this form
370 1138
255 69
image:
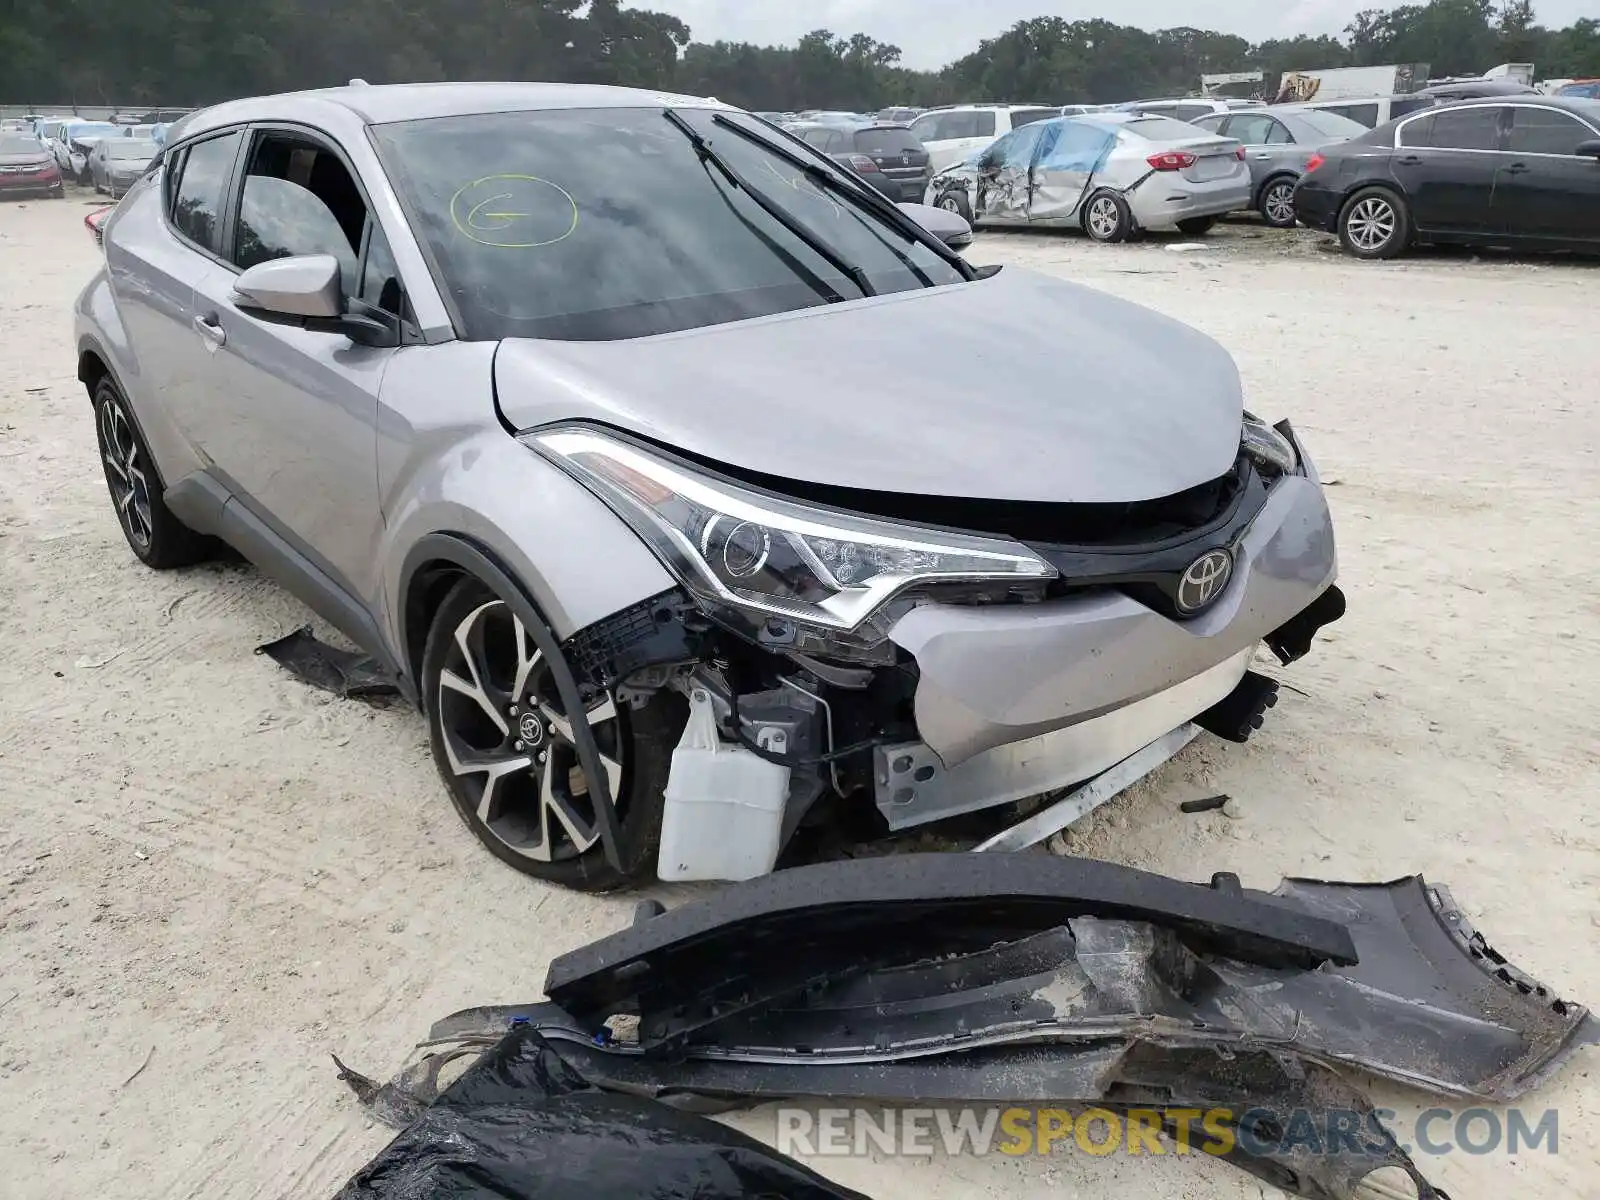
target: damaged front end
939 655
1033 980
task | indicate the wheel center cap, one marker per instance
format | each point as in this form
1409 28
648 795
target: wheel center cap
531 729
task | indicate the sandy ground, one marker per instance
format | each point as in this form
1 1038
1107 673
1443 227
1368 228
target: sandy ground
210 869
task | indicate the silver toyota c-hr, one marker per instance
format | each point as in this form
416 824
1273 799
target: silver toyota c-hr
696 492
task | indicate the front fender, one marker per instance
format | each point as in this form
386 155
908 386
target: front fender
448 467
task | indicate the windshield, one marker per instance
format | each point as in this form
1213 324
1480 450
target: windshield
597 224
91 129
1163 129
1584 91
130 148
1330 124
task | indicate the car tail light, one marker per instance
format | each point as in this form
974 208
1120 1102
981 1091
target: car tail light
1315 161
1238 152
862 164
1171 160
95 220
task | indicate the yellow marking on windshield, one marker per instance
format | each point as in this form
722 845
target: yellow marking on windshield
528 194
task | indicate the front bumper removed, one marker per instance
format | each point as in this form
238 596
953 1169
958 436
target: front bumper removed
1029 979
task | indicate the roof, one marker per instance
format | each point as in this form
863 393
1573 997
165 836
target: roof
383 103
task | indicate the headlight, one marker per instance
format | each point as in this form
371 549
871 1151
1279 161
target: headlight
760 552
1267 446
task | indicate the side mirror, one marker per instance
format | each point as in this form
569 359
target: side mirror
1589 149
950 228
303 286
305 290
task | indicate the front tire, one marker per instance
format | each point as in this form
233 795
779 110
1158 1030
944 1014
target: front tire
1276 204
504 749
956 202
154 534
1374 223
1107 218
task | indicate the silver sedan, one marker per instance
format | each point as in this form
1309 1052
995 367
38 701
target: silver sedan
1110 173
1277 145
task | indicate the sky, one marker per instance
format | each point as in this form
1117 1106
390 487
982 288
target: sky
932 33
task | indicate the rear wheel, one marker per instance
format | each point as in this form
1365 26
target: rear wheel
504 745
1195 226
1106 218
158 538
1374 223
1276 204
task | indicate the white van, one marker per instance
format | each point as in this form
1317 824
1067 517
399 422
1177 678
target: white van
951 134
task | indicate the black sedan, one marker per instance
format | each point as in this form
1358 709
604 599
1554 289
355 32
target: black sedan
887 156
1515 171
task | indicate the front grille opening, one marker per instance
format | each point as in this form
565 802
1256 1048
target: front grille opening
1134 523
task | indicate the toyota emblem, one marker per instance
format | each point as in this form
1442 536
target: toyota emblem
1203 581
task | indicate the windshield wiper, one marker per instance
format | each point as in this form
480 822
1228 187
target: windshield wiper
709 156
863 196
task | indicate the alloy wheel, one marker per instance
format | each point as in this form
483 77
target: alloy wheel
125 472
1279 203
510 744
1103 217
1371 223
950 204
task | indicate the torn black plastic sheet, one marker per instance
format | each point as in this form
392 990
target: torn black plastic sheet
521 1124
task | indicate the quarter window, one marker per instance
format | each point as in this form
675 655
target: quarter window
207 170
1545 131
982 124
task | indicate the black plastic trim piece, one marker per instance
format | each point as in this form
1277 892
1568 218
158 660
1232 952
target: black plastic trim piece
759 941
469 556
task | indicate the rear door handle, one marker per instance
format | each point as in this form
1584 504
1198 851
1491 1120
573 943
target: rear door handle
1262 155
1517 168
211 329
1409 160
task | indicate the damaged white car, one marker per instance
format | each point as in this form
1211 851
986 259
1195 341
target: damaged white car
564 403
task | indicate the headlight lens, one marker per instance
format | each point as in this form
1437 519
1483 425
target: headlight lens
1267 446
737 546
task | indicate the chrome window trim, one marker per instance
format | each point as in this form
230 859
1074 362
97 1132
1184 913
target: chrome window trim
1433 112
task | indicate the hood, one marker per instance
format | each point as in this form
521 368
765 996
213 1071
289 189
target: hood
1016 387
27 158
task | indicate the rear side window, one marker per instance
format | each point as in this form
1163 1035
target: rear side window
816 137
887 141
1402 105
1465 129
1252 130
1365 114
1545 131
926 129
1027 116
197 199
1211 124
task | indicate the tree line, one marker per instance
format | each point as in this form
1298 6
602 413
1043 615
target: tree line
175 52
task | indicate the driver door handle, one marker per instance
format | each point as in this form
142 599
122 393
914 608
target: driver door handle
1517 168
1410 160
210 329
